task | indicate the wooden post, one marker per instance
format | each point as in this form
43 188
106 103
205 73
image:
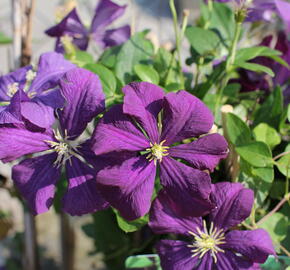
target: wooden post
22 13
67 242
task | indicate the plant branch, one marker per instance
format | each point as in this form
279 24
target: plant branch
277 207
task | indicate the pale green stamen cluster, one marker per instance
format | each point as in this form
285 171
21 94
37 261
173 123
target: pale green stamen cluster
64 148
207 241
157 152
12 89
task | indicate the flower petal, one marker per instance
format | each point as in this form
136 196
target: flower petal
229 260
106 12
165 219
36 179
71 26
128 186
118 36
115 132
38 113
19 141
284 9
189 188
185 116
255 245
51 68
204 153
84 98
82 196
175 255
18 76
11 114
233 204
143 101
52 98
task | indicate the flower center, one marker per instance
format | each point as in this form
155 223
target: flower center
157 152
12 89
207 241
64 148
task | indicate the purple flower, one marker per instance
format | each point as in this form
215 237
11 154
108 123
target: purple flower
212 245
132 139
72 27
251 81
36 177
26 90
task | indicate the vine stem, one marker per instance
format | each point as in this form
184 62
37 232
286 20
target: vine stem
178 36
281 155
229 65
277 207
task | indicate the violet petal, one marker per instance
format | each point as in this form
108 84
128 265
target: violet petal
17 142
175 255
204 153
128 186
82 196
18 76
164 217
118 36
51 68
84 100
36 179
106 12
255 245
185 116
233 204
116 132
189 188
143 101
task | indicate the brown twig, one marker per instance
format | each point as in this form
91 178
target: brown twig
281 155
277 207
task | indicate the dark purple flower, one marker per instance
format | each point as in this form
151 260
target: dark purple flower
212 244
36 177
27 89
71 27
132 138
251 81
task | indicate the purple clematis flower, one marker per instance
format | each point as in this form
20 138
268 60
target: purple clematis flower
26 90
251 81
133 139
36 177
71 27
212 244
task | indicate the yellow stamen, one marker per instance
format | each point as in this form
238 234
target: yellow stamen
207 241
12 89
157 152
64 148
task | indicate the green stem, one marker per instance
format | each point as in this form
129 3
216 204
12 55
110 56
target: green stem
177 39
210 9
229 65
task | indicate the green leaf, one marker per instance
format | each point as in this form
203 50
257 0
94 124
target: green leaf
109 56
204 42
147 73
276 225
246 54
4 39
106 76
237 130
223 20
80 58
131 226
137 50
257 154
271 110
283 163
264 133
255 67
